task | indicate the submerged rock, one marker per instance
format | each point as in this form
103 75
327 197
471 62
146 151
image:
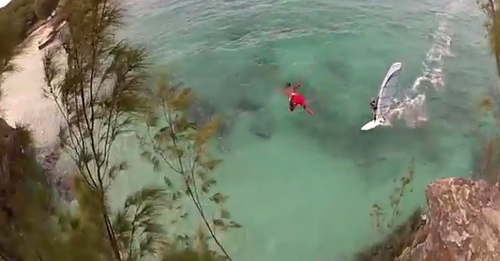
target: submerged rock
463 223
338 69
262 126
202 111
225 129
237 32
248 105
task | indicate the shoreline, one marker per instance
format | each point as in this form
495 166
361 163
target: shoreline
23 100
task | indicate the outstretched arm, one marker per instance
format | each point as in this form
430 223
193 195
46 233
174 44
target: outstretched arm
289 90
297 85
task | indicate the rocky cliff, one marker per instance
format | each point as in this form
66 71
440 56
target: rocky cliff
462 223
19 167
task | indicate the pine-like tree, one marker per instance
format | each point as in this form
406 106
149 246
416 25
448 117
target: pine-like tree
101 90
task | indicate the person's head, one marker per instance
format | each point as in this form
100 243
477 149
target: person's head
288 84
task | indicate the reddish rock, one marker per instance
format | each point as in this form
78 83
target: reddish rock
463 223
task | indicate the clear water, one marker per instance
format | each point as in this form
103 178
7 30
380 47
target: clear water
306 193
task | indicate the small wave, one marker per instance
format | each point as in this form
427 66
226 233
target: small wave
411 108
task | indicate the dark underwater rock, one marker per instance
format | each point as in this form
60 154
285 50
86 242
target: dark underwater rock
338 69
262 126
248 105
223 146
225 127
260 60
237 32
202 111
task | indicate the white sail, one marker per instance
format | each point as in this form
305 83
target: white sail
387 92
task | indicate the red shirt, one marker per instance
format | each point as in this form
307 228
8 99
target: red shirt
297 99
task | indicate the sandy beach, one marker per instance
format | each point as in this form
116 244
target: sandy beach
23 98
23 101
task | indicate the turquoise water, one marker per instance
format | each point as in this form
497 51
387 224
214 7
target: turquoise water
306 192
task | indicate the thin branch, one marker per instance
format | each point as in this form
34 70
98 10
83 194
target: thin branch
132 233
194 197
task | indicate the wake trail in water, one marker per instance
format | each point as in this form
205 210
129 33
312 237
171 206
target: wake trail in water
412 105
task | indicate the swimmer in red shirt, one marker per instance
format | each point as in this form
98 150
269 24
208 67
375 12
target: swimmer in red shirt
295 98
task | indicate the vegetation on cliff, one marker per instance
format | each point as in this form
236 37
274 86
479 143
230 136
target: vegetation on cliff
102 93
26 201
490 156
20 16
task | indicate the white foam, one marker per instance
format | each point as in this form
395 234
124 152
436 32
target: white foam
412 105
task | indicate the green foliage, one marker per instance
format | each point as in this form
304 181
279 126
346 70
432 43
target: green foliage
397 237
190 255
395 243
8 44
17 19
43 8
21 17
381 221
490 8
137 224
11 32
100 91
489 163
25 201
173 143
25 198
102 96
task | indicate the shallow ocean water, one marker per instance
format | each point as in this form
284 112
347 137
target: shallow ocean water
306 192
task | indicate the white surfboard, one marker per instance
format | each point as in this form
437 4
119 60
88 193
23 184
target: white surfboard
371 125
385 97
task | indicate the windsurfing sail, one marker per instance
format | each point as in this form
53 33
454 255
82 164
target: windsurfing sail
387 92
